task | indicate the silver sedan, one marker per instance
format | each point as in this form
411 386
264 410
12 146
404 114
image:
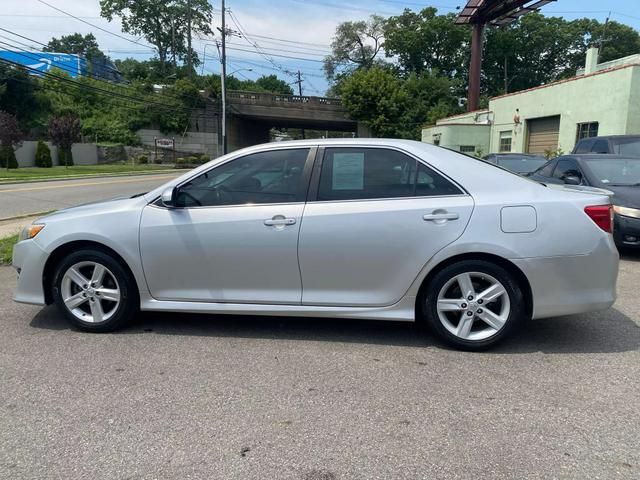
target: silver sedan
368 228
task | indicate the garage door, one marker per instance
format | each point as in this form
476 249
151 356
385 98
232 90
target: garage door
543 134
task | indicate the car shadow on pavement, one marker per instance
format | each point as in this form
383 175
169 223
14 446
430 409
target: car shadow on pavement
630 254
602 332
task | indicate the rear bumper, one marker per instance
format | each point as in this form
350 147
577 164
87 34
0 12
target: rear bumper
29 260
626 231
573 284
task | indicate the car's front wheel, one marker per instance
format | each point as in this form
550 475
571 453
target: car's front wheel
94 291
473 304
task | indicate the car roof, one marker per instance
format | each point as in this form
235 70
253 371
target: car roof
597 156
610 137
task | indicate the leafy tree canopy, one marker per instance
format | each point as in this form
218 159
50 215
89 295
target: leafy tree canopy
76 43
162 23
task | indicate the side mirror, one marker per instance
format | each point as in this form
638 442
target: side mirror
168 197
572 180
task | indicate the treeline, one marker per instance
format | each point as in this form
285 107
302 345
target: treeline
404 71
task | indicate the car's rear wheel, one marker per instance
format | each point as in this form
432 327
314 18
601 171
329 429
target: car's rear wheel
94 291
473 304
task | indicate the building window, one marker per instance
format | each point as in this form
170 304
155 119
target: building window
587 130
505 141
471 149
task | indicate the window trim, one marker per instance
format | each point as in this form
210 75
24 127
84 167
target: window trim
317 169
306 177
569 159
580 125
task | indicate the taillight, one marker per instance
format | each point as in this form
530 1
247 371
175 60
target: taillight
602 215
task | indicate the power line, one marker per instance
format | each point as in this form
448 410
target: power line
281 50
95 89
62 67
96 26
280 56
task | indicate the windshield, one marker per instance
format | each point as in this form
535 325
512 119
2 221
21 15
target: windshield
629 147
522 165
616 171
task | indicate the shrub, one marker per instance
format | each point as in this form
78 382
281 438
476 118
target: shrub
205 159
43 155
8 157
64 131
143 159
65 159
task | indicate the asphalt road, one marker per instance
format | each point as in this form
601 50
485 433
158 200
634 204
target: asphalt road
26 198
208 397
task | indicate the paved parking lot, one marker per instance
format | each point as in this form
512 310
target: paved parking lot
181 396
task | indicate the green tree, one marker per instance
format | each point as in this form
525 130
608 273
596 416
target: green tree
19 96
64 131
76 43
425 41
377 98
43 155
355 45
154 19
271 83
10 135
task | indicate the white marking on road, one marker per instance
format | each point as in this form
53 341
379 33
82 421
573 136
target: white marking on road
84 184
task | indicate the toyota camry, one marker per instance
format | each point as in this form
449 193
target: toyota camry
362 228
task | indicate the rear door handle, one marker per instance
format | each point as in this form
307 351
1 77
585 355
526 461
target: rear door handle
279 221
440 216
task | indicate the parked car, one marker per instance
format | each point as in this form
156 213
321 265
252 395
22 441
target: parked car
620 175
364 228
521 163
628 145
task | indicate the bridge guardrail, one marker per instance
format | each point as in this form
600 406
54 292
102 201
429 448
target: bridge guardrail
260 98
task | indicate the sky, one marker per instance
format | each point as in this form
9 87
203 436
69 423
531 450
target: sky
291 28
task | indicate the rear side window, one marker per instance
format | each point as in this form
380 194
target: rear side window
600 146
584 146
369 173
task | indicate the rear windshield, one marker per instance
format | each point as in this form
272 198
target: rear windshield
616 171
522 165
629 147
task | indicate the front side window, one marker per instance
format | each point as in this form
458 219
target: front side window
567 168
368 173
275 176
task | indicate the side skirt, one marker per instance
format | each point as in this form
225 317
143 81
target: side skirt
403 311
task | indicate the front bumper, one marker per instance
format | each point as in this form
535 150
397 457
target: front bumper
29 260
573 284
626 231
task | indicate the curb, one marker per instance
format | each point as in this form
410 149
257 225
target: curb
27 215
96 175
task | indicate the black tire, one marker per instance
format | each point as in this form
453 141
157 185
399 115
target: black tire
120 313
428 307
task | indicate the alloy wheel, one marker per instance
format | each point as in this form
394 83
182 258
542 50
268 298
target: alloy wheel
473 306
90 292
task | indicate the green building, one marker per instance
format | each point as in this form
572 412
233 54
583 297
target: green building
602 99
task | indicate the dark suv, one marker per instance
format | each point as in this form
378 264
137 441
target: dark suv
628 145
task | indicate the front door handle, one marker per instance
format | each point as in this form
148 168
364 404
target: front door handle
440 216
279 221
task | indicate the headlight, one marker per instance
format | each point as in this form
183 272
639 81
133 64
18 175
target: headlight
31 231
627 212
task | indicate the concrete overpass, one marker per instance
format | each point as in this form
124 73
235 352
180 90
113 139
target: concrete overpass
251 115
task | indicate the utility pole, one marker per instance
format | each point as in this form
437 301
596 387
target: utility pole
223 60
173 42
299 82
189 56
